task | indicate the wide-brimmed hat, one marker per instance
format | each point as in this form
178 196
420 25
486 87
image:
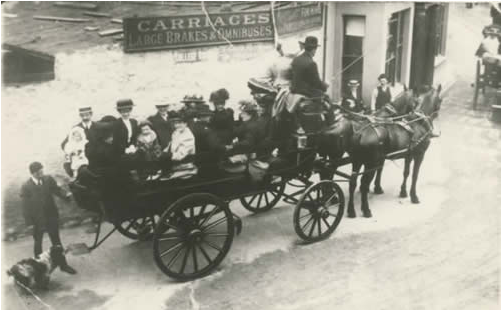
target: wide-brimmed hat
83 110
310 41
125 104
162 105
353 83
203 110
193 99
219 95
179 116
257 86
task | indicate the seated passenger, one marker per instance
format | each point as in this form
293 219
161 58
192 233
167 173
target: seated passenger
182 147
148 150
222 120
101 152
352 101
249 134
192 104
74 150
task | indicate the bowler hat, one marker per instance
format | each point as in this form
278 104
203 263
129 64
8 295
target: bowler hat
310 41
179 115
85 110
35 166
353 83
125 104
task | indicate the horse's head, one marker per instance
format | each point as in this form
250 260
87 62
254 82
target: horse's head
429 101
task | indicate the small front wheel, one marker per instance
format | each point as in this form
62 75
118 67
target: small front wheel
319 211
193 236
263 202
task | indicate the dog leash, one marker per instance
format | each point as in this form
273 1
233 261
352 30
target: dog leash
33 294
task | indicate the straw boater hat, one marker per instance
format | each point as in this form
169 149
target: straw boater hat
125 104
162 105
193 98
84 110
353 83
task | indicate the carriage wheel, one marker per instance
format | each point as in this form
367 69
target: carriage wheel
477 85
319 211
264 201
138 228
193 236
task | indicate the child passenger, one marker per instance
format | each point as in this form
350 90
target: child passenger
75 150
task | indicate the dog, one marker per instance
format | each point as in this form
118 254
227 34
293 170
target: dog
35 272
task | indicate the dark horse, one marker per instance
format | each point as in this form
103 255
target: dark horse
369 141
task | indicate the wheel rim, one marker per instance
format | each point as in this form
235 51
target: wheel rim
138 228
319 211
192 239
263 201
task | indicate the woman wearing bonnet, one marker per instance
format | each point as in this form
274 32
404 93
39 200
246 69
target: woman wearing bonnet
75 150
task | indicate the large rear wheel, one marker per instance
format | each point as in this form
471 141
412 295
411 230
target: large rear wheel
193 236
319 211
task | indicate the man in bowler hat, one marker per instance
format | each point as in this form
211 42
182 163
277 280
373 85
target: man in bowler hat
162 126
126 129
40 210
305 77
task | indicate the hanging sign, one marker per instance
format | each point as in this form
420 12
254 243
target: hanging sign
298 19
171 32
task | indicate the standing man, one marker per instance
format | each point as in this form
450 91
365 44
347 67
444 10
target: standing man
305 77
382 94
86 124
162 125
352 100
40 210
126 129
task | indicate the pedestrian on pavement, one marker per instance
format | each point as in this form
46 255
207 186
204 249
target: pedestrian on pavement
162 125
381 94
40 210
352 99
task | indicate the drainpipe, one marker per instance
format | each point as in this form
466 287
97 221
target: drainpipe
325 7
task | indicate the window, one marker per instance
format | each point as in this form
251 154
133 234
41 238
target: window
394 47
440 34
353 43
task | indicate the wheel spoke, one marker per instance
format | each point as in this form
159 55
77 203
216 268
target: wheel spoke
306 224
312 227
319 196
130 225
185 259
274 193
311 198
307 214
259 201
252 199
319 227
206 256
175 257
214 224
195 261
212 245
216 235
192 212
169 236
209 216
326 223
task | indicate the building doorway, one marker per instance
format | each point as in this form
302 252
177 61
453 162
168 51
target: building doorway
353 47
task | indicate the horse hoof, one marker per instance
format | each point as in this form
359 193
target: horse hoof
378 190
367 213
403 194
352 214
415 200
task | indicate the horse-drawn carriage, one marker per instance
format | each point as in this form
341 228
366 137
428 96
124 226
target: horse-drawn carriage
488 65
190 221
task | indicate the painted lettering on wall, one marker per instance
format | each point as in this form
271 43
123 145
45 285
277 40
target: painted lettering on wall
170 32
297 19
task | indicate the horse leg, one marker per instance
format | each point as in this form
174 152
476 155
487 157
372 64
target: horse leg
418 160
377 184
364 188
407 167
353 184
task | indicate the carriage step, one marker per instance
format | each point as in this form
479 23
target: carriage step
78 249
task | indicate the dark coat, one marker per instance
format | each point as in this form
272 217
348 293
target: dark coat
100 155
305 77
90 133
39 207
252 137
222 123
359 106
163 129
383 97
120 135
208 147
